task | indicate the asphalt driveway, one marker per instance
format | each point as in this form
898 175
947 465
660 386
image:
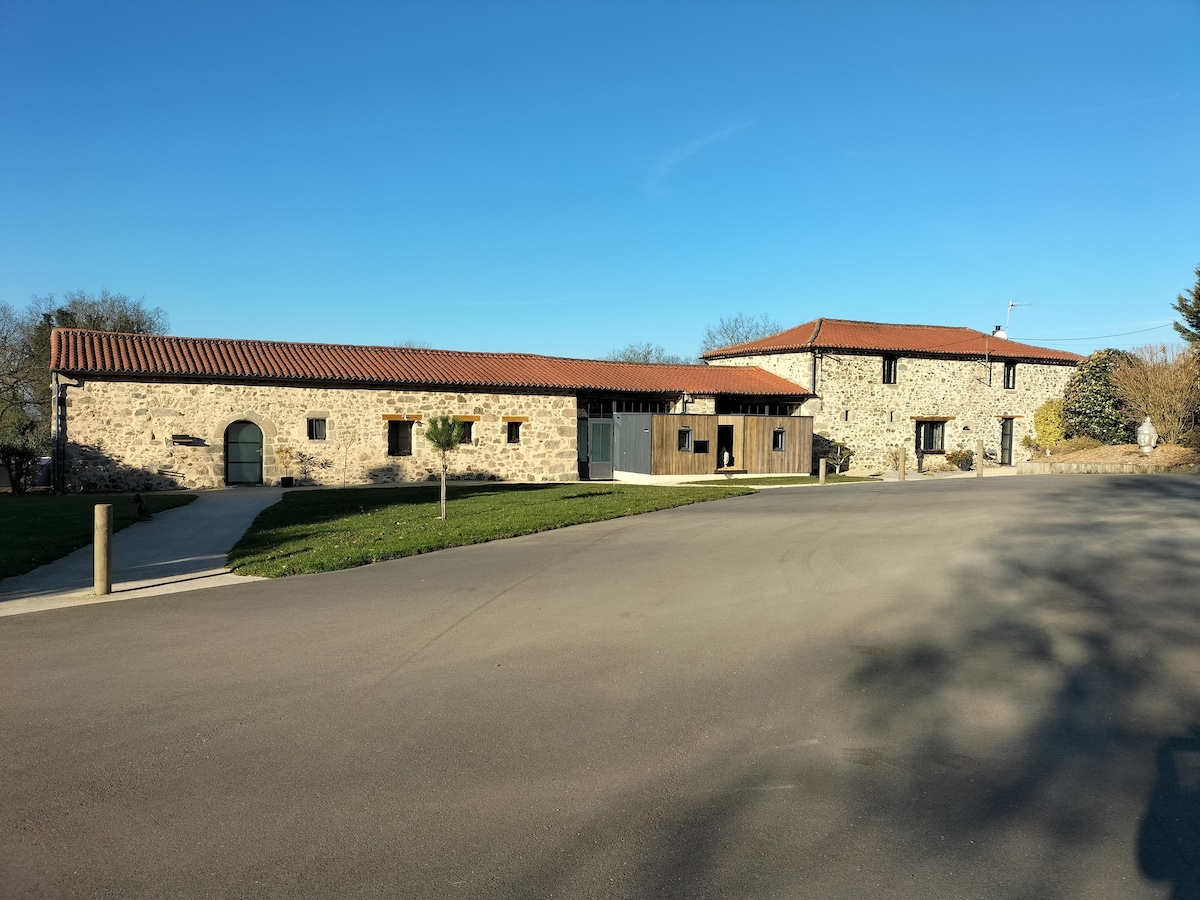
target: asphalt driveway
973 688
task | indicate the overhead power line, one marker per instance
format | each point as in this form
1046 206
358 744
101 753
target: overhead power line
1098 337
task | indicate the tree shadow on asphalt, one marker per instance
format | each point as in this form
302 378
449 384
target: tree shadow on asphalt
1075 670
1022 719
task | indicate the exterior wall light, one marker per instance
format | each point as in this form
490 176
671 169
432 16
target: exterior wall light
1147 436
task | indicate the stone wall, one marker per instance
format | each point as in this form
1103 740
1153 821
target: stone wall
854 406
119 434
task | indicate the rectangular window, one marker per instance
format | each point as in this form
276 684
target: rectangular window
684 440
733 407
931 437
700 447
400 438
889 370
1010 376
779 440
514 432
644 406
465 430
316 429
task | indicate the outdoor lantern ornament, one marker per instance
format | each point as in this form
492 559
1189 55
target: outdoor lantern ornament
1147 436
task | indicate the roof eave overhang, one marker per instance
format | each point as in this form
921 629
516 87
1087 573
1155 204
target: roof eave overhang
285 381
916 354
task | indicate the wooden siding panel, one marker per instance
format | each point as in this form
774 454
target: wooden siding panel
796 457
667 459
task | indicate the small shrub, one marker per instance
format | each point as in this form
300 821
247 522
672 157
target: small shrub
307 462
285 457
960 459
1048 424
835 451
893 458
1190 439
1079 442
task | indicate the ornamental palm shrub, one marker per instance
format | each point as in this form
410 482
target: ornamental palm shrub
444 433
1091 407
1048 424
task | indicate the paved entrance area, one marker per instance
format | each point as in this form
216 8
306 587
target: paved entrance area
983 688
178 550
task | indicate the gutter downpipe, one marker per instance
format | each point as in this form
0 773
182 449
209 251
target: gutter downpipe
812 344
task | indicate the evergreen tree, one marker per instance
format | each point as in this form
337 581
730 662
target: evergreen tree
1091 406
1188 306
444 433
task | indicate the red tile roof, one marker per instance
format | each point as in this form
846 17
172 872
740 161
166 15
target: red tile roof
79 352
934 340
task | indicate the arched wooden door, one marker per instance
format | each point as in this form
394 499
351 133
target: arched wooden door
243 454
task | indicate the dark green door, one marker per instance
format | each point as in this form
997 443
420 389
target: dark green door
243 453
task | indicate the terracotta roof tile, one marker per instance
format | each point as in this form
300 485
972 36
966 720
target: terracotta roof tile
78 352
936 340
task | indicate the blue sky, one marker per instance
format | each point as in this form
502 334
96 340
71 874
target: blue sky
565 178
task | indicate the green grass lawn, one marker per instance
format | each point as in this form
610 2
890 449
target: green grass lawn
39 528
794 479
321 531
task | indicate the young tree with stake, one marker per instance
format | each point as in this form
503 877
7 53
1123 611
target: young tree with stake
445 433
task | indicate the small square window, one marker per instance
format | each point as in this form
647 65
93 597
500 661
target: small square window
514 432
1010 376
779 440
316 429
465 432
685 440
889 370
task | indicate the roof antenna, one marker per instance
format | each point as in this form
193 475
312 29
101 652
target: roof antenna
1003 332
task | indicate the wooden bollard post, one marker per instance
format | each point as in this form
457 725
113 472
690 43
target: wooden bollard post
900 469
821 472
102 549
979 459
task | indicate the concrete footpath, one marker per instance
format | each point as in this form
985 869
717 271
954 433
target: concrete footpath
181 549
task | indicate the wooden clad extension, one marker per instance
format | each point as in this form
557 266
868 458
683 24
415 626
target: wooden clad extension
759 439
754 438
668 459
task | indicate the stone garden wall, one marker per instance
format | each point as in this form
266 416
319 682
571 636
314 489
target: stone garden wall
854 406
119 434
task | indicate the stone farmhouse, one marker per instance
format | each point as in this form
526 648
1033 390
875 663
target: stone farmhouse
157 412
926 388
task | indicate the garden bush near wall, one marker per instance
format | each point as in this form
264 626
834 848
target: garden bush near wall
836 452
20 461
960 459
1163 383
1048 424
1091 407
